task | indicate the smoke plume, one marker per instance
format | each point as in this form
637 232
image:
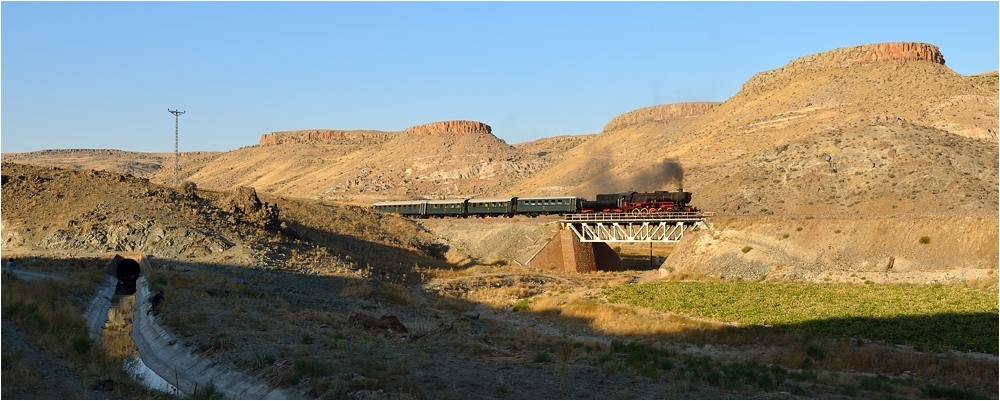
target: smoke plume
667 175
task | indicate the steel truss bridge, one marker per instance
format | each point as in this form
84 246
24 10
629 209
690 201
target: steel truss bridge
628 227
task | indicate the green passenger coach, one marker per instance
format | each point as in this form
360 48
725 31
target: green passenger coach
491 206
406 208
446 207
548 205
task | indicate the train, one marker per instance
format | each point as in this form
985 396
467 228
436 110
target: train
624 202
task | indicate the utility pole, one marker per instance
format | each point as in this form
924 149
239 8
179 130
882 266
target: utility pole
177 156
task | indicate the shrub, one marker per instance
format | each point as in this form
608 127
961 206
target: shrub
935 391
746 249
784 235
925 240
836 231
310 367
815 352
798 229
521 305
209 392
81 344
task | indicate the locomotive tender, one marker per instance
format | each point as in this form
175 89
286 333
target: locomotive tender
625 202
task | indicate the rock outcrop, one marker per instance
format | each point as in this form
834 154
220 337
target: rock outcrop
324 135
245 205
451 127
659 113
371 136
899 52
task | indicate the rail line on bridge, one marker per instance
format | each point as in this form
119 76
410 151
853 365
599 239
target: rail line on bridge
632 227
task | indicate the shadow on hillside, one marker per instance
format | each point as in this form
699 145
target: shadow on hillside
256 299
967 332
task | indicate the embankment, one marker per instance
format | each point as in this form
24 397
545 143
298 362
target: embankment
882 249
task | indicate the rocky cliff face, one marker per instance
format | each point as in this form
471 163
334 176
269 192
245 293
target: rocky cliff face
371 136
899 52
323 135
451 127
659 113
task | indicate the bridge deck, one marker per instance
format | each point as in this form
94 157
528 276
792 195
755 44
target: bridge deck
625 227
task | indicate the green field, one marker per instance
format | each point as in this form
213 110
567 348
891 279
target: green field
927 316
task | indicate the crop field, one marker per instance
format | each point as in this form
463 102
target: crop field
929 317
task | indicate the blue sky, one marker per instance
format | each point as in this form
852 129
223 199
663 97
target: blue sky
102 75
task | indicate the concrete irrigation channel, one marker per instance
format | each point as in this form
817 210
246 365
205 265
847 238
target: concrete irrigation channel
121 303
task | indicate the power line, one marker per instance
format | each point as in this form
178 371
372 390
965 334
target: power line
176 154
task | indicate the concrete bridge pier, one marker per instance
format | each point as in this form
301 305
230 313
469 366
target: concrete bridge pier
566 253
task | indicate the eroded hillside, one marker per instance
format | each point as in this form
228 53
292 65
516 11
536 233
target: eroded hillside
79 212
452 158
878 128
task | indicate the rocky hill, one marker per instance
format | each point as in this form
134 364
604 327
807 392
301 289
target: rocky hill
324 136
84 212
612 160
662 113
882 128
442 159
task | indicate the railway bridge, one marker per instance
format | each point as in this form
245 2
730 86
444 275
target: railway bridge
629 227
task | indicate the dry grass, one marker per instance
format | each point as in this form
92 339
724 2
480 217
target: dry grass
357 289
51 313
619 320
397 294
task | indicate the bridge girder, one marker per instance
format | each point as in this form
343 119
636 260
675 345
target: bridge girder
633 228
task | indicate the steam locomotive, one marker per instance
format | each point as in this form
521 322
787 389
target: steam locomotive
625 202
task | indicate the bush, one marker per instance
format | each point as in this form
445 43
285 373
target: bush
935 391
925 240
81 344
208 392
815 352
746 249
310 367
521 305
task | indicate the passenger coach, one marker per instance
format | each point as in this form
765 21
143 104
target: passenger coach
481 207
548 205
446 207
406 208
